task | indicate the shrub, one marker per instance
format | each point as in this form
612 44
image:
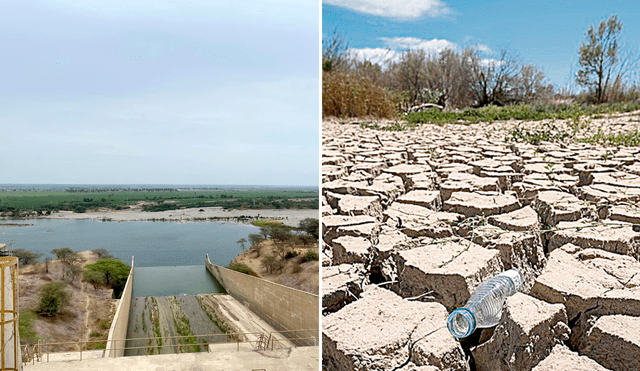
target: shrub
53 298
348 95
311 256
26 257
242 268
291 254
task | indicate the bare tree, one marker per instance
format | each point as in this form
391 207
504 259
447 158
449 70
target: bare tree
599 60
493 79
334 52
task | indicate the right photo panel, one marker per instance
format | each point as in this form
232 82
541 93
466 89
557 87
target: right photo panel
480 186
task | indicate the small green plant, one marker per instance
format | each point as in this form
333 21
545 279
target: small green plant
242 268
104 324
311 256
95 334
628 139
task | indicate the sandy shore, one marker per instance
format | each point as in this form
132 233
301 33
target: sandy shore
288 216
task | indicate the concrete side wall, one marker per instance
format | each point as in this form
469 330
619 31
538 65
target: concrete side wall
282 307
118 332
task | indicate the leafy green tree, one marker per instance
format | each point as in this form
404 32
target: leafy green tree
115 273
95 278
26 257
310 226
599 54
53 298
65 254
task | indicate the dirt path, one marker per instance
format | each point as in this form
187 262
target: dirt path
87 311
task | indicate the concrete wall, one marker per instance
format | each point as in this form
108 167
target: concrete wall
118 331
282 307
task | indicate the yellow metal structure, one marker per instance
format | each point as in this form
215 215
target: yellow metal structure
9 335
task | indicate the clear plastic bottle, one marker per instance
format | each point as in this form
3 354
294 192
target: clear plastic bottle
484 307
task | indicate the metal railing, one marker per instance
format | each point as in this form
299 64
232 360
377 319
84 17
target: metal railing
40 352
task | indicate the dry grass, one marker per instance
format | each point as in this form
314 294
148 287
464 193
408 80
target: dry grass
349 95
72 324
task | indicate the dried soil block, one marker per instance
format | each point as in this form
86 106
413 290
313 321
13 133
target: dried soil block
418 221
590 282
561 358
335 226
555 207
625 213
475 203
614 342
350 250
450 270
373 334
609 235
464 182
525 219
405 171
429 199
608 193
340 286
528 330
523 250
360 205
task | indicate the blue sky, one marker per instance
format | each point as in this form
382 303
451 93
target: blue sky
148 92
544 33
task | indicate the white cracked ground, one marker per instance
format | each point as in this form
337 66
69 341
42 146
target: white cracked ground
414 220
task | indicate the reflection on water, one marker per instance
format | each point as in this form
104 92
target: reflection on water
174 281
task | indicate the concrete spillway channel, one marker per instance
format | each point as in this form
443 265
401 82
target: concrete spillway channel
189 315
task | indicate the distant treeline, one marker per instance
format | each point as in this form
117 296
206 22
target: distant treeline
18 203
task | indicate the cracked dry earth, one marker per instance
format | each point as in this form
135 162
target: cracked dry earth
414 221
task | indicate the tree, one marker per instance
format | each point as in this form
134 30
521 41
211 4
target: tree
311 226
102 253
26 257
65 254
599 57
53 298
280 234
272 264
115 273
255 239
335 52
242 241
95 278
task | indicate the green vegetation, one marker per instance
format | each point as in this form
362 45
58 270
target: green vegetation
104 324
310 256
26 257
114 274
17 201
25 327
53 298
525 112
242 268
631 139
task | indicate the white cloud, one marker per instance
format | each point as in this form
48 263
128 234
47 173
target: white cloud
483 48
490 62
376 55
399 9
413 43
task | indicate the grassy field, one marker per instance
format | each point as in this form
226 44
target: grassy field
526 112
80 200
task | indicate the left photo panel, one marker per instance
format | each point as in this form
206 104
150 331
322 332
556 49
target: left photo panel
160 185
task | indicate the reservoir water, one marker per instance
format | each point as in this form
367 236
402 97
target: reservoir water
169 256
